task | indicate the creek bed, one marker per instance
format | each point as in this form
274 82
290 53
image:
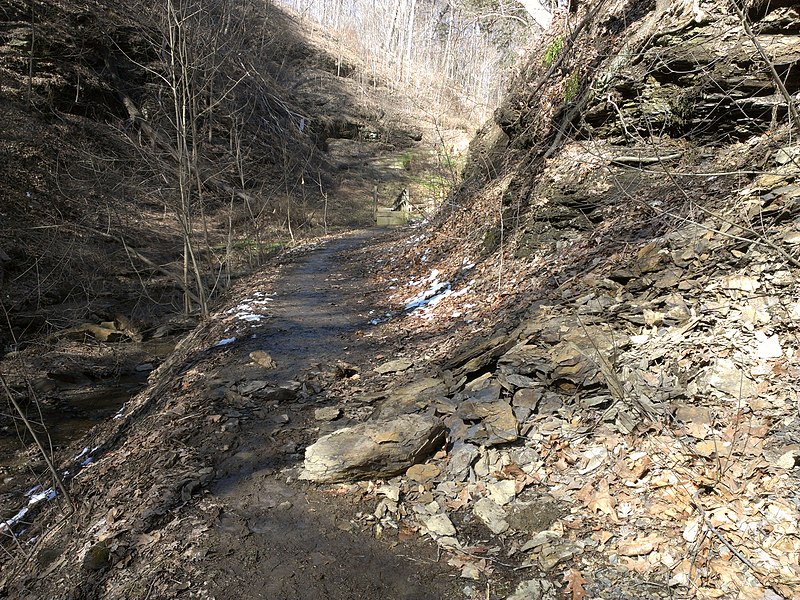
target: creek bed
65 414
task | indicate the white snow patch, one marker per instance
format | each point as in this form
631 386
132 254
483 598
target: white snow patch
429 297
224 342
250 317
6 526
437 290
246 310
48 494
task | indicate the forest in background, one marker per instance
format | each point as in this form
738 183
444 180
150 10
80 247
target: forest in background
457 53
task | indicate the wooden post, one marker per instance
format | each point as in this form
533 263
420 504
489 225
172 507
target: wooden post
375 203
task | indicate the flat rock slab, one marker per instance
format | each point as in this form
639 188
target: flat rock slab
327 413
498 425
412 396
394 366
373 449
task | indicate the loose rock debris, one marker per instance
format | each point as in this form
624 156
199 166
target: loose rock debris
633 435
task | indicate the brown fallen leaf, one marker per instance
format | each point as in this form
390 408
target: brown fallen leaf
707 448
637 547
697 430
575 583
601 500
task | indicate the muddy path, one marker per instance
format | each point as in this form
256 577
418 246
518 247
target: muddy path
195 491
288 540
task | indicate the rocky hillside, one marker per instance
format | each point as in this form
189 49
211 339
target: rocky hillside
629 223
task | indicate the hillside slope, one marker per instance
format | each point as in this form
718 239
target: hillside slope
625 249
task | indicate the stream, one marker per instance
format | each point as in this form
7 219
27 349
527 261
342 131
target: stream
65 414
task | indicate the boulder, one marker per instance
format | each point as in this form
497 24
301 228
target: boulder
374 449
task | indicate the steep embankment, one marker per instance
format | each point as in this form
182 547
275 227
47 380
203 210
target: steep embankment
632 215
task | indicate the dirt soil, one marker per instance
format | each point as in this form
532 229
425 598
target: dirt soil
288 540
194 490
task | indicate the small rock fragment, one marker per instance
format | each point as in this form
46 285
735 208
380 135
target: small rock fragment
502 492
534 589
461 458
492 515
470 571
769 347
327 413
422 472
788 460
440 525
250 387
391 491
394 366
552 555
262 359
726 377
498 425
97 557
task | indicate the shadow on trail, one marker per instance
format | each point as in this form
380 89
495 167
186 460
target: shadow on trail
290 540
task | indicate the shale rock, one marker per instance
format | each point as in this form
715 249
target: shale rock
373 449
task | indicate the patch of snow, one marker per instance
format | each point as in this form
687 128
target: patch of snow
48 494
120 412
437 291
246 309
429 297
250 317
6 526
224 342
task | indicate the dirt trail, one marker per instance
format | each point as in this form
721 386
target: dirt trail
274 539
217 455
317 306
